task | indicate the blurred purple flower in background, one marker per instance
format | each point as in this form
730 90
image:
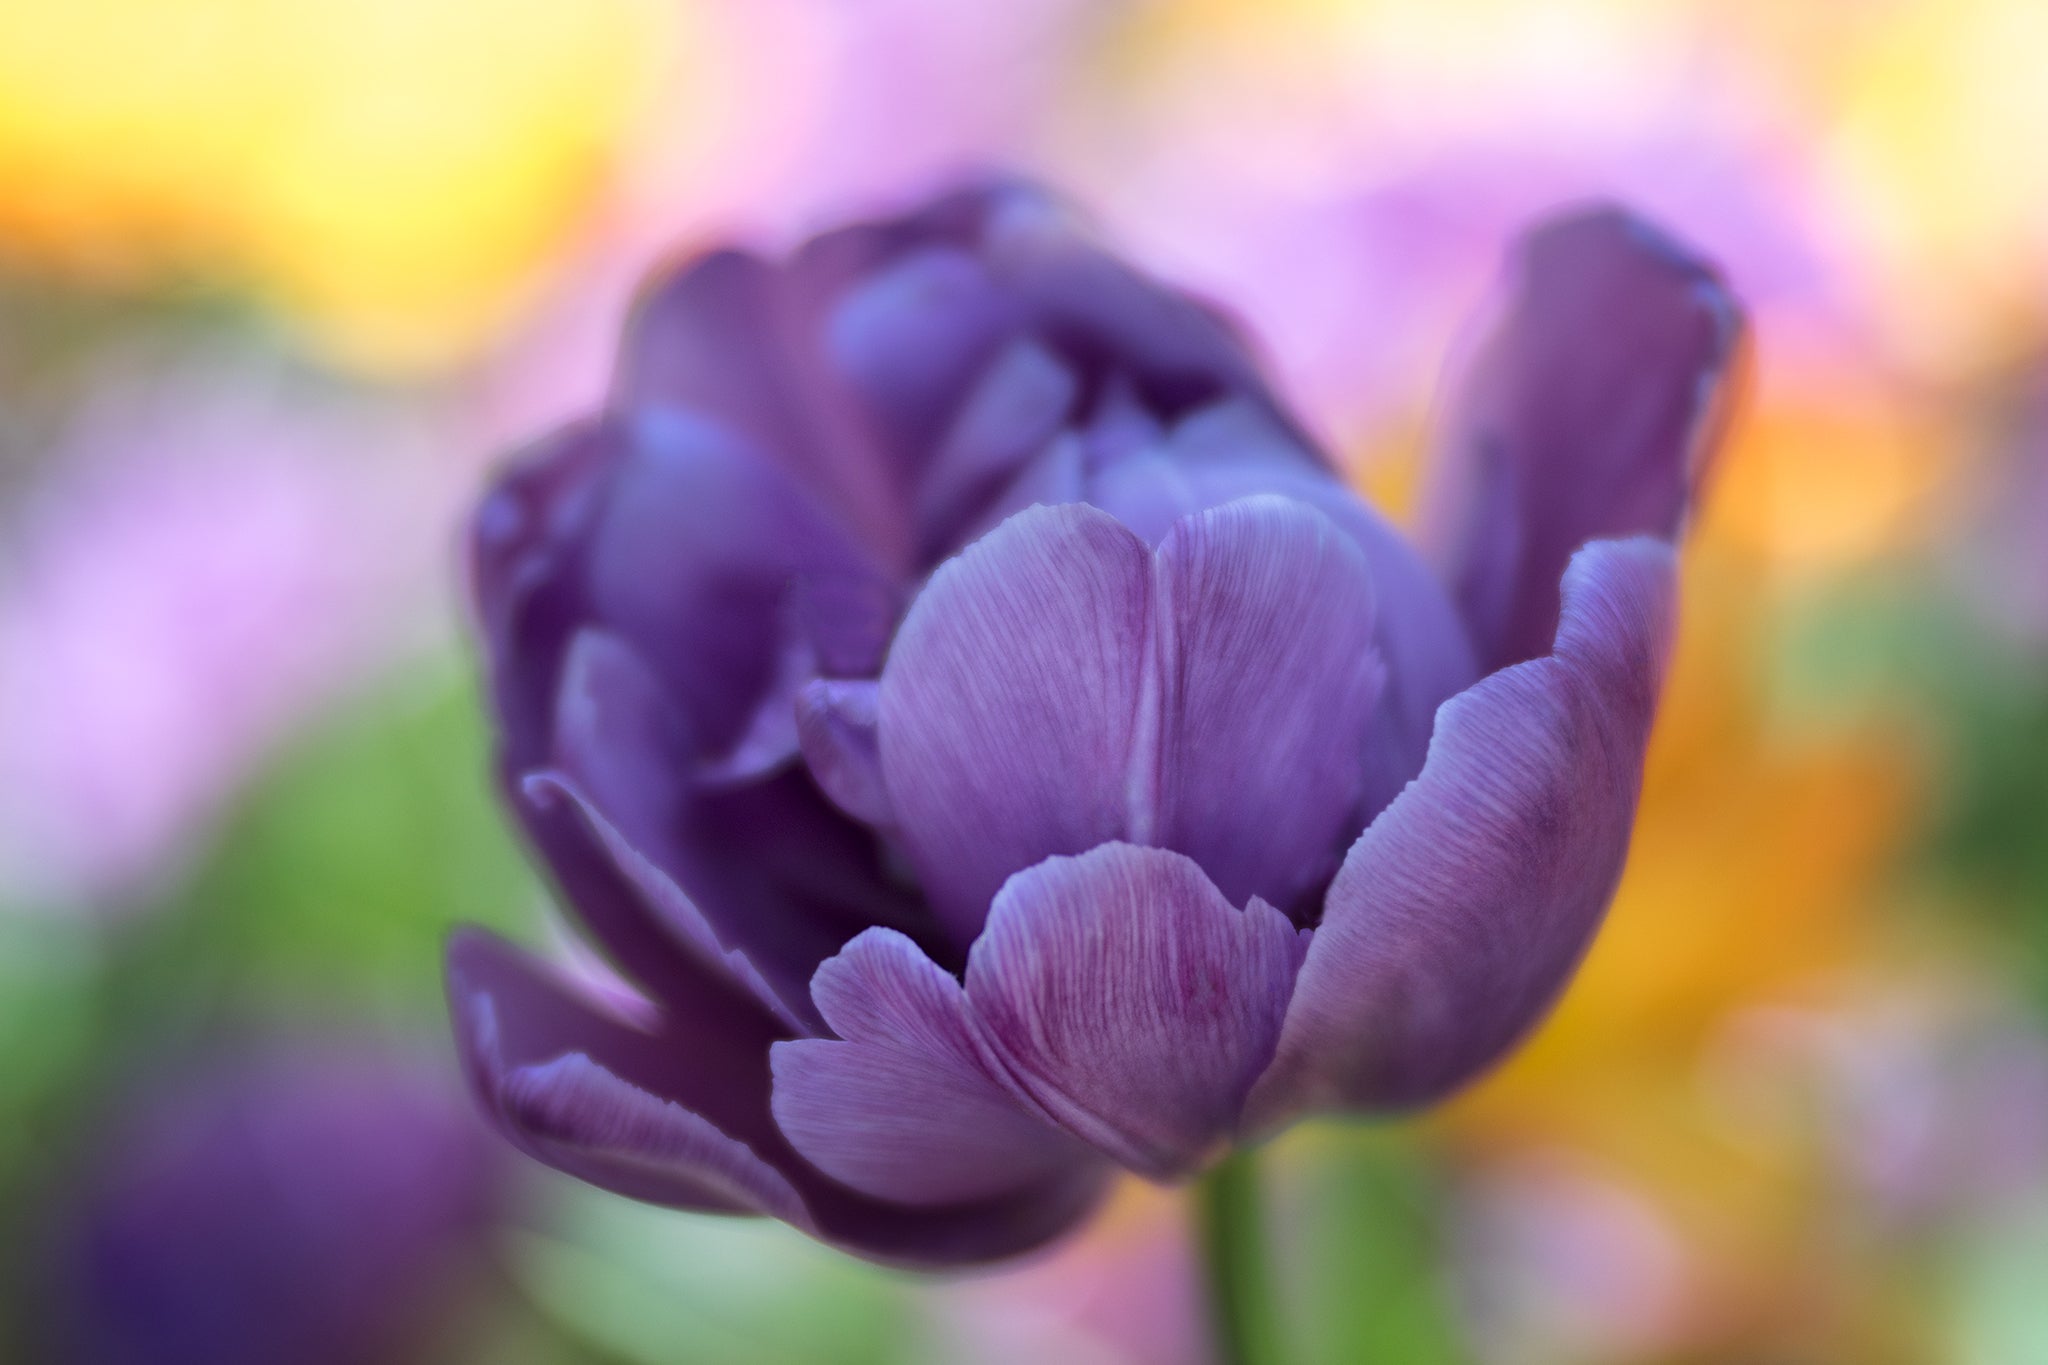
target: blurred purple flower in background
191 578
315 1202
952 687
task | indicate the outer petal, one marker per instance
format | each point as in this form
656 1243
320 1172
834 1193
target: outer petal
623 1103
1589 410
1132 1001
672 1106
1460 913
908 1107
524 546
1008 703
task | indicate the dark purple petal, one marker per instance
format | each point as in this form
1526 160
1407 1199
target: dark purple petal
622 756
636 1106
580 1118
587 877
1266 678
1056 687
525 550
908 1106
908 337
837 719
1009 703
1109 320
1132 1001
1461 912
728 337
661 903
1019 405
696 559
1589 410
671 1105
763 879
1057 474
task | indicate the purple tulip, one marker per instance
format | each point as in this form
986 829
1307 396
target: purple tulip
1000 749
318 1204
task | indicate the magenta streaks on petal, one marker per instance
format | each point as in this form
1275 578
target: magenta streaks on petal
1133 1001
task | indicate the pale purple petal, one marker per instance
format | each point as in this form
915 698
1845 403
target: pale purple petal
1056 687
1588 410
1133 1001
1233 450
908 1107
1461 912
1263 626
1008 703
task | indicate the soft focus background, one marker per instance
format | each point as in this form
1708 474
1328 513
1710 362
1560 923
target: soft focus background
279 279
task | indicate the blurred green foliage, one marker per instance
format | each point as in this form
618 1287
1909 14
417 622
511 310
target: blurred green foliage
1358 1263
333 882
654 1287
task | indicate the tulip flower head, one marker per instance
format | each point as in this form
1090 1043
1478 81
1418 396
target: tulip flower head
999 749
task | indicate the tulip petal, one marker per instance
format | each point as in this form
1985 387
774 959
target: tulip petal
697 558
1233 450
1019 404
1589 410
763 880
726 337
524 545
1263 626
909 335
1132 1001
1110 319
1460 913
659 900
1055 687
574 1083
671 1105
908 1107
836 722
1008 703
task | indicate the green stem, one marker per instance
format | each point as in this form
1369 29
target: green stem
1234 1260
